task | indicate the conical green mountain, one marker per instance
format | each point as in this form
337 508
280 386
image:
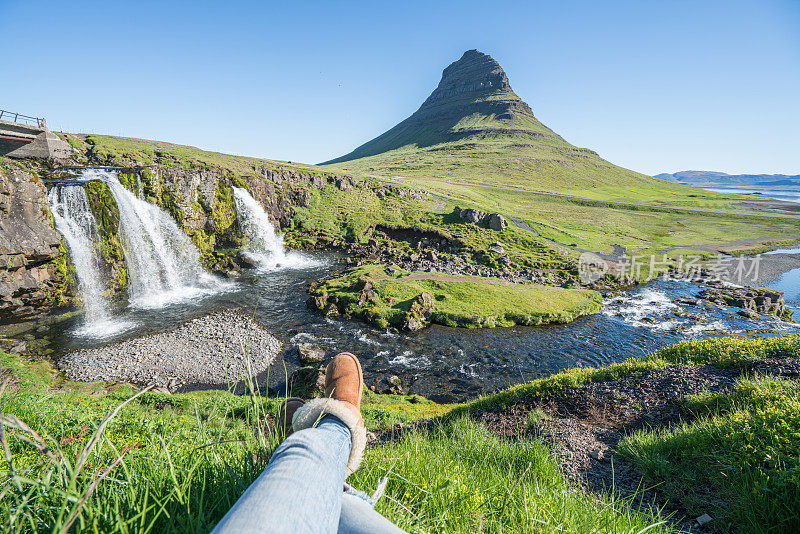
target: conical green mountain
474 128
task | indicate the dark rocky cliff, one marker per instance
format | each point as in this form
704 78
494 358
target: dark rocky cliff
30 249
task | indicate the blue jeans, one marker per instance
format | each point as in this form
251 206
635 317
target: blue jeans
302 490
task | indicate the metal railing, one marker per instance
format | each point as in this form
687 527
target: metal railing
19 118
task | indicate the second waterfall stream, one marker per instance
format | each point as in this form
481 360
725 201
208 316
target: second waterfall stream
261 241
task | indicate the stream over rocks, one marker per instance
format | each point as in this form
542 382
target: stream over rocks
184 328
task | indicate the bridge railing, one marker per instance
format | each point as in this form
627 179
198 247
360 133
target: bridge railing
19 118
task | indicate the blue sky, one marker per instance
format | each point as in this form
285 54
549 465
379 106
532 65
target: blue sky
652 86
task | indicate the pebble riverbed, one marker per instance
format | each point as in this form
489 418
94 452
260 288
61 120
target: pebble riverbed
211 350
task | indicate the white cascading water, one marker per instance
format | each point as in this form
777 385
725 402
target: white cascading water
163 264
261 241
74 219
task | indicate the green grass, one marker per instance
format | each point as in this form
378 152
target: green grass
459 301
176 463
596 225
461 478
739 461
133 151
354 215
187 457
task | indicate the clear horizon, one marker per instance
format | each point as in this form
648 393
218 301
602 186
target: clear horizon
653 88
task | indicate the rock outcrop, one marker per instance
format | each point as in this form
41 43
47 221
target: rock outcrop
495 221
751 301
34 266
30 249
420 312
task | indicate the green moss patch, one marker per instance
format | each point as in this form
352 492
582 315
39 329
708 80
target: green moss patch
106 213
458 300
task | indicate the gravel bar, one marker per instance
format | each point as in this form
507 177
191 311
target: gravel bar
211 350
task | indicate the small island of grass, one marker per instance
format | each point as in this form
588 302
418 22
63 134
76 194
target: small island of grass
388 295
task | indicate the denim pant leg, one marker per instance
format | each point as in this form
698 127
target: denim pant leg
359 517
301 488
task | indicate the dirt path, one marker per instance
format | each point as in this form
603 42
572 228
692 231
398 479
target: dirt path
766 204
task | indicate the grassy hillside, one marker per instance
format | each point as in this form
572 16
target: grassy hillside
596 225
591 225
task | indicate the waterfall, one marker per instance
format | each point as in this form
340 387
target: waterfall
163 264
261 241
73 217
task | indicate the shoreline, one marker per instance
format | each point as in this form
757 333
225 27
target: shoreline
771 267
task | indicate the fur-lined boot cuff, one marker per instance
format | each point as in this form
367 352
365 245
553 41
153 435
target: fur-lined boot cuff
308 415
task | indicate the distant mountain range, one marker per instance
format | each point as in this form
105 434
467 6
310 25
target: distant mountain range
721 179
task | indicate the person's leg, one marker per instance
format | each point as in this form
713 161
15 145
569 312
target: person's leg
301 488
359 517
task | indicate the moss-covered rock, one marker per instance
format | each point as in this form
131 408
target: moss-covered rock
106 213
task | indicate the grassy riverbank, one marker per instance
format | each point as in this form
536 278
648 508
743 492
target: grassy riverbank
175 463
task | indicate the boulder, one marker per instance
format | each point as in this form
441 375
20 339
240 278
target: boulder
420 311
497 248
472 215
367 295
310 354
248 258
413 324
316 302
331 310
497 222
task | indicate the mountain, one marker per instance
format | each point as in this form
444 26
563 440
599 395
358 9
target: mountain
721 179
474 128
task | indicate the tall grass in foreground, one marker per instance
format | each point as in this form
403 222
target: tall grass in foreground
176 463
459 477
72 462
739 461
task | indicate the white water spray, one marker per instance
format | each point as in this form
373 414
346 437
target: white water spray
261 241
163 264
74 219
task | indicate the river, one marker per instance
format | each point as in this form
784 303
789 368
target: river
448 364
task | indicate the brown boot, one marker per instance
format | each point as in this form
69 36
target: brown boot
286 413
344 381
343 384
